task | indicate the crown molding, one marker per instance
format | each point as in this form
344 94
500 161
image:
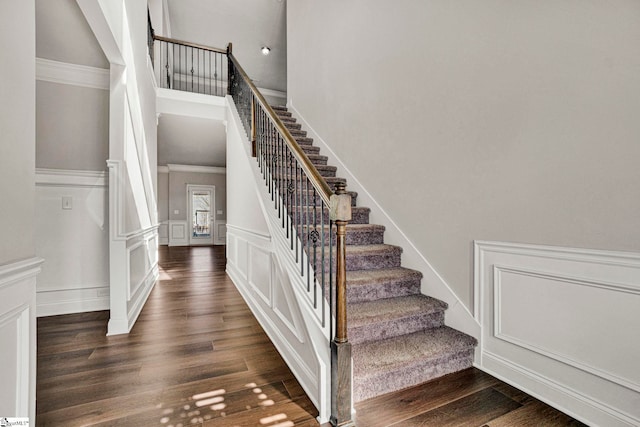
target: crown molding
195 168
72 74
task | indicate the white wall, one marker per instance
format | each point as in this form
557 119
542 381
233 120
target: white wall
73 238
18 263
509 121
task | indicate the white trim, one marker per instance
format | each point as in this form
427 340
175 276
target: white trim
70 178
248 232
72 74
163 169
19 270
433 284
580 406
80 299
196 169
212 211
190 104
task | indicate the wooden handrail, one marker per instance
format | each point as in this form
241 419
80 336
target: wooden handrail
305 164
189 44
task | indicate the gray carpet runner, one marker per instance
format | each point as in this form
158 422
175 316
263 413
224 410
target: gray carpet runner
398 335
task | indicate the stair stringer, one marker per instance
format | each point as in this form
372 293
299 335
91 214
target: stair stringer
433 284
300 337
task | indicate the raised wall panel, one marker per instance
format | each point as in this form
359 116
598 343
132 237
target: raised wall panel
259 272
559 322
178 233
18 337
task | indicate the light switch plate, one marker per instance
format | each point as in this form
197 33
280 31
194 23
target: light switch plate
220 212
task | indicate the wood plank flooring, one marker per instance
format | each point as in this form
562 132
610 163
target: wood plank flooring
197 357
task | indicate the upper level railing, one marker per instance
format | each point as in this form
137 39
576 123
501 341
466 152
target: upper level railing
188 66
313 216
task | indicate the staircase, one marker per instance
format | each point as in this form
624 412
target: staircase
397 334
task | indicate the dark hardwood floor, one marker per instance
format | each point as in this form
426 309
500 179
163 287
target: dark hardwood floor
197 357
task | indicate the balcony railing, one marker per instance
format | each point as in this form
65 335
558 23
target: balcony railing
313 216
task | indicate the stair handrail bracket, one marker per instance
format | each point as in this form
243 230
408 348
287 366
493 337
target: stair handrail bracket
312 215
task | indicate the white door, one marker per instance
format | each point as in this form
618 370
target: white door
201 202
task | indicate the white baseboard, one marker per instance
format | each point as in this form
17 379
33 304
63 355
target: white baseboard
556 323
80 299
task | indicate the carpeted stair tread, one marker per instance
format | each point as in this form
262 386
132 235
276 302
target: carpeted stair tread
359 214
406 360
307 198
390 317
292 125
368 285
279 107
357 234
310 149
303 140
318 159
369 257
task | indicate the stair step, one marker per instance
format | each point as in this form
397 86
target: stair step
303 140
391 317
357 234
282 113
287 119
369 285
297 133
371 257
359 214
307 199
292 125
388 365
279 107
317 159
310 149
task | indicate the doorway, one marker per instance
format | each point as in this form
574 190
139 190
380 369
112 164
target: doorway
201 204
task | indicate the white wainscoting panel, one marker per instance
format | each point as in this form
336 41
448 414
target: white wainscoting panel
18 337
178 233
268 292
73 239
221 232
562 324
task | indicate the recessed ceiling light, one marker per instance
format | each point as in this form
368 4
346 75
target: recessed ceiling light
265 50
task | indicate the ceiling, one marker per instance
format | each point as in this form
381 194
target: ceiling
248 24
191 141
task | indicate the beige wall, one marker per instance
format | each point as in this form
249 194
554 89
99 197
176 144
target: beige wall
72 127
497 120
178 192
163 196
17 135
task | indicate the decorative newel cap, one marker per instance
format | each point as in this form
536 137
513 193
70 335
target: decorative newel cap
340 209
